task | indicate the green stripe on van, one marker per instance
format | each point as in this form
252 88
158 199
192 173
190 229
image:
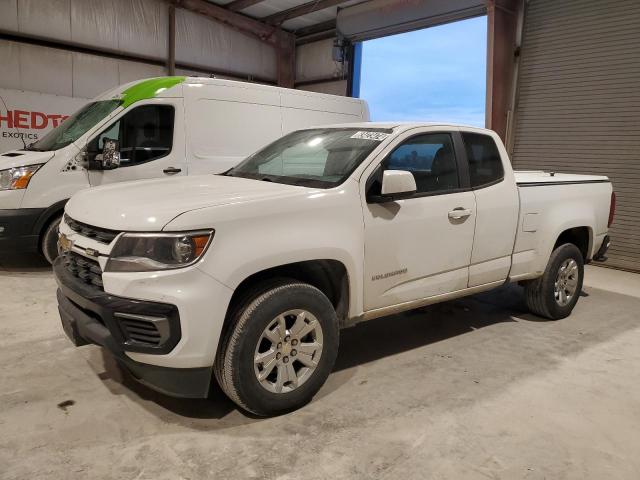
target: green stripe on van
148 89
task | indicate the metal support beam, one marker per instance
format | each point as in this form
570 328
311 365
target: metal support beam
242 23
286 53
283 41
502 20
171 57
313 6
159 62
238 5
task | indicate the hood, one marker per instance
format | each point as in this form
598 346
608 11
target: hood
22 158
148 205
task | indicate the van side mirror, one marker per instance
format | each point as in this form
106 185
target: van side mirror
109 159
396 185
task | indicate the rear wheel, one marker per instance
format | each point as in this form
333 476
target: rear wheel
50 240
556 292
279 349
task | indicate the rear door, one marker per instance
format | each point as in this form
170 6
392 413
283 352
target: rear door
421 246
497 208
150 137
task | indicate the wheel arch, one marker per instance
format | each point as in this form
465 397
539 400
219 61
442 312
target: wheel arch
329 276
580 236
46 217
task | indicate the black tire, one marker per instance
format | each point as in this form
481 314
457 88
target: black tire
234 366
49 243
540 293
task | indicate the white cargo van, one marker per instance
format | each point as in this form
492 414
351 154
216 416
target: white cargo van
147 129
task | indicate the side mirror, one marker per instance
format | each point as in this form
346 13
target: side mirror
396 185
110 154
109 159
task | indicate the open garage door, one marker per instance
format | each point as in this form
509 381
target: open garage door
433 74
578 107
379 18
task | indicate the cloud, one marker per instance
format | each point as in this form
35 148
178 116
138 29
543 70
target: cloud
437 74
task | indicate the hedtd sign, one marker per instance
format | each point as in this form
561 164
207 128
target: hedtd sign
28 116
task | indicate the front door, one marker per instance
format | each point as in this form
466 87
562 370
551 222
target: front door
421 246
149 143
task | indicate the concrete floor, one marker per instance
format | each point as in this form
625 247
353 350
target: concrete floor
470 389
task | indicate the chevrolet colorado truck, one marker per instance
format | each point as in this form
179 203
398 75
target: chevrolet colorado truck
248 276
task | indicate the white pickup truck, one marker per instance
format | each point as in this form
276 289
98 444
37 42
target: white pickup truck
248 276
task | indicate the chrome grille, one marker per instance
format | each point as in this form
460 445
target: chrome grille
102 235
87 270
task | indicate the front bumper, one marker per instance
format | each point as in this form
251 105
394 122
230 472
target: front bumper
90 315
18 230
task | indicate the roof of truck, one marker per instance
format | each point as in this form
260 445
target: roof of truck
400 126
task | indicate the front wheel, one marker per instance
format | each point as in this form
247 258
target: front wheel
280 348
50 240
556 292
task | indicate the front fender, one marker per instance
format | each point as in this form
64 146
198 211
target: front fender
255 236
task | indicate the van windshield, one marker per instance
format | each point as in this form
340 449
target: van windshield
321 158
75 126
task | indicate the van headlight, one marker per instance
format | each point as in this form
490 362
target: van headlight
146 252
17 178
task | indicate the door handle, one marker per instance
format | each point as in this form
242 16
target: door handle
460 212
172 170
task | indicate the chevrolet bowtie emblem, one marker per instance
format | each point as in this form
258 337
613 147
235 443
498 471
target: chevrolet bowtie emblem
92 252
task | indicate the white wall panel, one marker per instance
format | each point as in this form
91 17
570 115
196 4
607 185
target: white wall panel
133 27
202 42
93 22
143 27
93 75
9 15
10 65
130 71
45 19
315 60
46 70
60 72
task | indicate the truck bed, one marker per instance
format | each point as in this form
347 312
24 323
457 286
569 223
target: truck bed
539 177
551 203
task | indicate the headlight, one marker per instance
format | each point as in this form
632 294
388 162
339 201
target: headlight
145 252
17 178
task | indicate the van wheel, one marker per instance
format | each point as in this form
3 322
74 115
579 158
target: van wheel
280 348
50 240
556 292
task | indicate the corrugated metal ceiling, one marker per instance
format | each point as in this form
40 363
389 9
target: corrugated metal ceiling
269 7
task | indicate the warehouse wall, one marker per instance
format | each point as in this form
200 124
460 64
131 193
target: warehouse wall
140 28
316 70
37 53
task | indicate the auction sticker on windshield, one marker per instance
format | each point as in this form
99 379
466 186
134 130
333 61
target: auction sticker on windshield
376 136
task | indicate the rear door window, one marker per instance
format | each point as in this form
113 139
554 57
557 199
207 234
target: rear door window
485 164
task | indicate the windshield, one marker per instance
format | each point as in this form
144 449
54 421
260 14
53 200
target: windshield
320 158
75 126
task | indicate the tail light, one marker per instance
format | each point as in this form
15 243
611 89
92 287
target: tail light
612 209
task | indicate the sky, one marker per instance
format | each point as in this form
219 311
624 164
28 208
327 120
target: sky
434 74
